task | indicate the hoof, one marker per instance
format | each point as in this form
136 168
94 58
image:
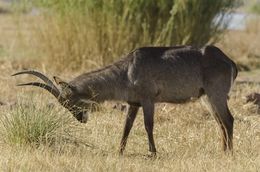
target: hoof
120 152
151 155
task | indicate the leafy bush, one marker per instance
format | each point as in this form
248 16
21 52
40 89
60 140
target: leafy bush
255 8
82 33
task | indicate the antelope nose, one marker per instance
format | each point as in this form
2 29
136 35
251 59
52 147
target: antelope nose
84 117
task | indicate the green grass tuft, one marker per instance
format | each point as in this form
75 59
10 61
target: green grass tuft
30 125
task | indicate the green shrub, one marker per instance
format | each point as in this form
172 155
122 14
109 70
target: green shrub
84 33
255 8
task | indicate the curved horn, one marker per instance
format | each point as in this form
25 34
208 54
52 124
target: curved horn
41 76
44 86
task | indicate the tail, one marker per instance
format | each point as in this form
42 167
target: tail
234 72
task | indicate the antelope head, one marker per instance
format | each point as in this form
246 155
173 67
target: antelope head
67 95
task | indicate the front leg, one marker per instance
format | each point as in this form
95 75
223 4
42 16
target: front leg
130 117
148 109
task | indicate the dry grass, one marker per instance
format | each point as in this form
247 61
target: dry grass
243 46
186 136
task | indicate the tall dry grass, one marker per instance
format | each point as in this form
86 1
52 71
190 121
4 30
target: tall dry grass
90 33
243 46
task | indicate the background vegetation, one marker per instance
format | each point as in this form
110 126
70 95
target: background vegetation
82 32
68 37
255 7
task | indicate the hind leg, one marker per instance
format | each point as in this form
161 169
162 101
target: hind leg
230 126
227 132
217 86
224 118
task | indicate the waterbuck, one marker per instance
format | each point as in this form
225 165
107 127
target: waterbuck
149 75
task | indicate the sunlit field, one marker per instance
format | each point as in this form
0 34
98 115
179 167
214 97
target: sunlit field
37 134
187 136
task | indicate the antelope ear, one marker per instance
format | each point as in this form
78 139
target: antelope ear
61 83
